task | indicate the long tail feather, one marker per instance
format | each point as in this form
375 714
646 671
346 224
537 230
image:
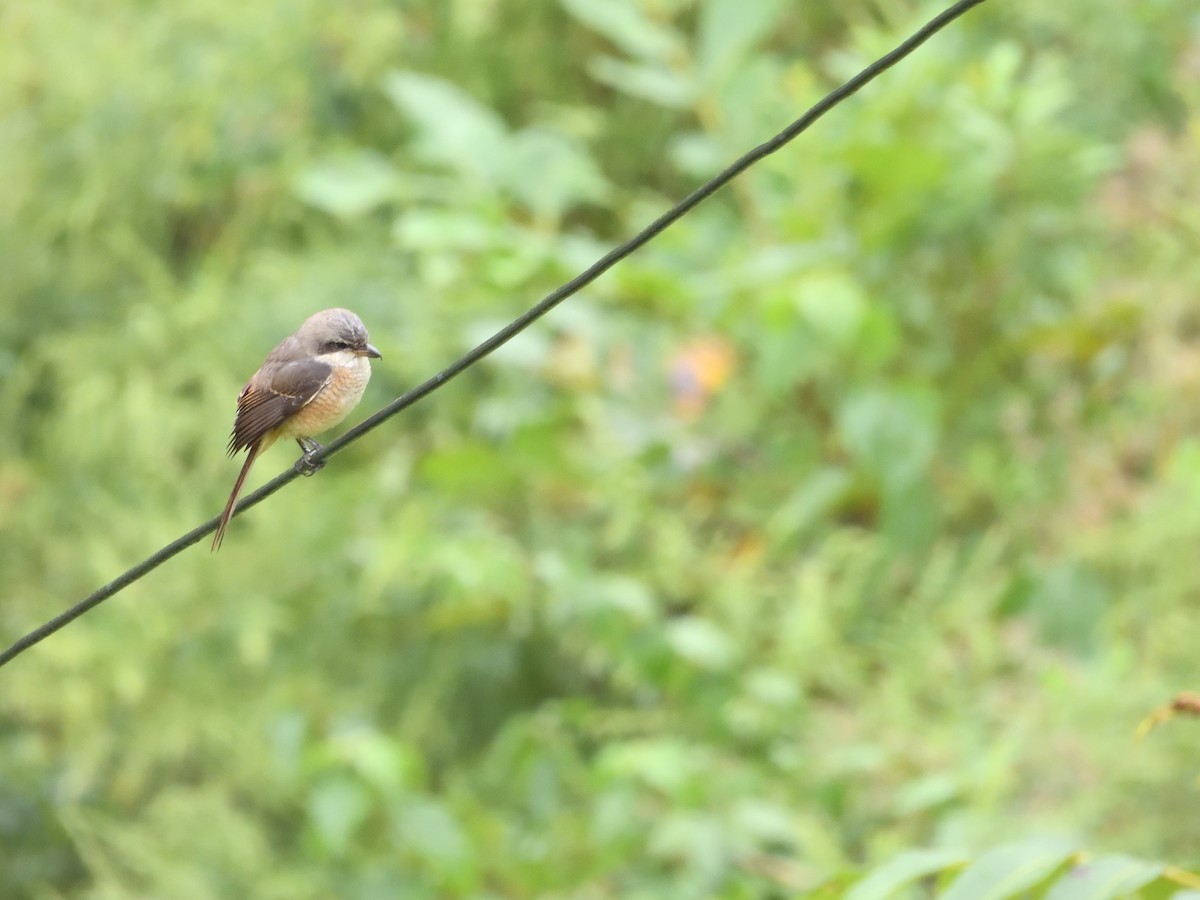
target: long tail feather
234 494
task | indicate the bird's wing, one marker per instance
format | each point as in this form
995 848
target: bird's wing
264 406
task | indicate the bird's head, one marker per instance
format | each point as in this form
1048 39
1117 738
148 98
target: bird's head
333 331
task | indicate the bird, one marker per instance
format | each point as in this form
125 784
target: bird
309 383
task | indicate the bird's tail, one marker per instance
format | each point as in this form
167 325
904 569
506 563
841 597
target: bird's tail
234 494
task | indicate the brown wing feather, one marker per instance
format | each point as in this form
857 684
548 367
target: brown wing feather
264 407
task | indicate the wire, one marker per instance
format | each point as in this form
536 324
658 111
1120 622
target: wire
514 328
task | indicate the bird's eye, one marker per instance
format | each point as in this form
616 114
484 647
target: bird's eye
336 345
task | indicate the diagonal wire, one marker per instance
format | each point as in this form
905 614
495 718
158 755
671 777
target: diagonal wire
515 327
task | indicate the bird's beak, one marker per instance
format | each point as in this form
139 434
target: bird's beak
370 352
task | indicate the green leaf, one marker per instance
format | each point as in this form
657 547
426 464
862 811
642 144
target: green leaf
423 228
424 827
550 173
903 869
648 82
697 154
891 435
386 765
454 130
627 595
1068 602
624 23
694 841
348 185
701 642
665 764
807 503
337 807
1105 878
763 822
729 29
927 792
833 304
1009 869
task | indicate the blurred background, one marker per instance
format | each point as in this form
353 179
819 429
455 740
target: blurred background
858 513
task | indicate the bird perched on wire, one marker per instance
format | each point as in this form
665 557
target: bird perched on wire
307 384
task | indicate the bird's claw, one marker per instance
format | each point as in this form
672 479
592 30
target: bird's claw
306 465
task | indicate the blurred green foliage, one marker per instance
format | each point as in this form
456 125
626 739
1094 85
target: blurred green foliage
855 515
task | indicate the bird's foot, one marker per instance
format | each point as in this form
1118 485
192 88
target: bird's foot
306 465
